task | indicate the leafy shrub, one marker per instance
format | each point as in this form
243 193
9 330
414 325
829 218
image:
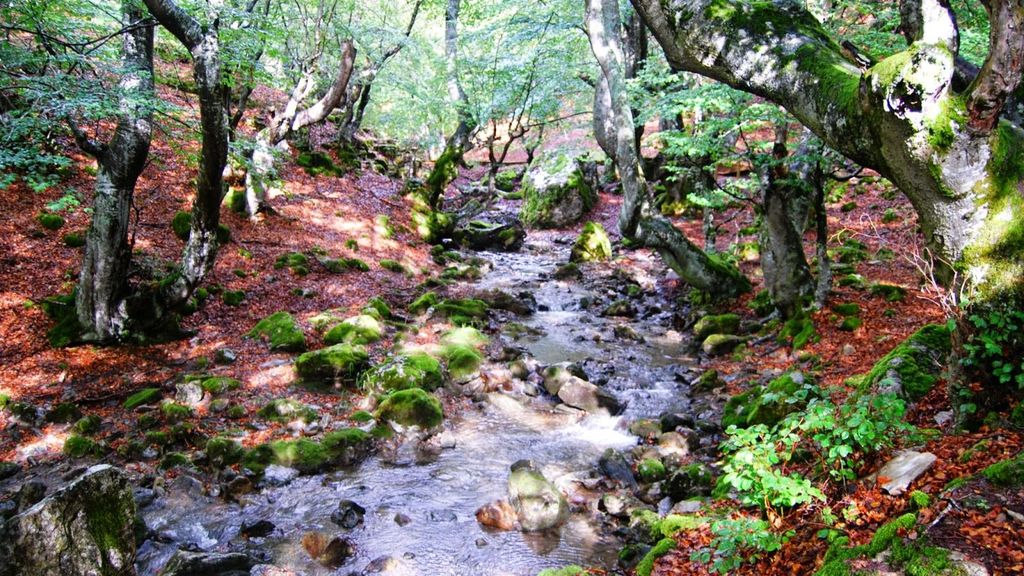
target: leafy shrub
737 541
995 348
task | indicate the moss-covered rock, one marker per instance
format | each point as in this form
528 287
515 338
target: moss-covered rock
340 265
306 456
650 470
341 362
50 221
282 331
913 367
412 370
424 302
319 164
555 192
174 412
80 446
503 236
378 308
181 224
799 330
219 384
411 407
144 396
297 262
394 266
719 344
288 410
74 239
347 445
592 245
716 324
63 413
221 451
663 547
357 330
233 297
850 324
890 292
505 180
768 404
570 271
88 425
464 311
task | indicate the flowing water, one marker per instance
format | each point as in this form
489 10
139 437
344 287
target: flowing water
439 496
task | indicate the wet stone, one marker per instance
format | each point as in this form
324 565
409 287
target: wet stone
329 551
257 529
348 515
402 519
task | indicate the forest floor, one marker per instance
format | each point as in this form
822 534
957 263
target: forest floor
364 215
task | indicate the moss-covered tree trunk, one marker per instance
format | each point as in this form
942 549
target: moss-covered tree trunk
784 209
700 270
103 281
960 166
446 167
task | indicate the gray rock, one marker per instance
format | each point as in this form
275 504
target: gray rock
402 519
619 505
718 344
83 529
30 493
8 469
903 469
329 551
614 466
276 475
581 394
383 565
348 515
189 393
686 507
539 505
185 563
257 529
225 356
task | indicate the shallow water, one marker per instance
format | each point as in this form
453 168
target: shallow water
441 496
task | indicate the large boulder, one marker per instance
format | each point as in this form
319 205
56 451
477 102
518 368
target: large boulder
556 191
584 395
85 528
539 505
912 368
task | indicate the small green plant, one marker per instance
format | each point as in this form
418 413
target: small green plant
737 541
994 349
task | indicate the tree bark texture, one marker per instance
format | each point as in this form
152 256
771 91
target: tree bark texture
900 117
103 281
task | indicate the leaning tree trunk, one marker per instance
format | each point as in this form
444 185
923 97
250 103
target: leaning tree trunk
446 167
785 206
103 281
291 120
201 247
947 151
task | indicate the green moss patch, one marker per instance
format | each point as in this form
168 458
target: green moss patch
79 447
341 362
282 331
288 410
50 221
425 302
297 262
361 329
413 370
716 324
412 407
768 404
144 396
1007 473
914 366
592 245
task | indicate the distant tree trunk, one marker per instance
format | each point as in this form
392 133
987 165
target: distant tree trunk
634 47
787 198
103 281
700 270
290 120
203 43
446 167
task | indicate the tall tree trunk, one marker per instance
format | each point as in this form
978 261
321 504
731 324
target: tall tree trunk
201 247
635 48
787 198
700 270
959 168
446 167
103 282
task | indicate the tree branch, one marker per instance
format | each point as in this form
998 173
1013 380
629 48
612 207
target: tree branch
178 22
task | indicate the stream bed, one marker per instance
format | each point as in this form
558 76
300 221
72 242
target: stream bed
435 498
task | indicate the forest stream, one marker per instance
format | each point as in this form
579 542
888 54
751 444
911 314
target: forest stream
420 503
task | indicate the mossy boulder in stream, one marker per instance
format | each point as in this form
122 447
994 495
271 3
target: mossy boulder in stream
361 329
282 331
538 503
768 404
555 191
341 362
592 245
912 368
716 324
85 528
412 370
502 236
411 407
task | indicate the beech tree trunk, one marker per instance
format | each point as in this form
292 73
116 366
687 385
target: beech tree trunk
693 265
947 151
103 281
201 247
787 198
290 120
